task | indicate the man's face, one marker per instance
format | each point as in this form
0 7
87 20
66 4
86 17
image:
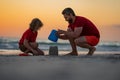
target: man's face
68 18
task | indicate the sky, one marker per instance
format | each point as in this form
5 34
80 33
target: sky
15 16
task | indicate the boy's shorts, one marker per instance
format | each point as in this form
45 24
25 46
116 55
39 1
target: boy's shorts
22 48
92 40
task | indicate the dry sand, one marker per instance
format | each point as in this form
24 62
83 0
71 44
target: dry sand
96 67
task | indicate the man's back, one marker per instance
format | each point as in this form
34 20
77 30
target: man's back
89 29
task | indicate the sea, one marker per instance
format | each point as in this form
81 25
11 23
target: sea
63 45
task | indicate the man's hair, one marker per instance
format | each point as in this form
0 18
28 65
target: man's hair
34 22
67 11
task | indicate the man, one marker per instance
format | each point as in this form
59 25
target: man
81 32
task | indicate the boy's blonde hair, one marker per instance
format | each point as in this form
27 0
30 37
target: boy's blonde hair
34 23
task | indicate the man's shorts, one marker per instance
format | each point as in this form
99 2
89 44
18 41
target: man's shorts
92 40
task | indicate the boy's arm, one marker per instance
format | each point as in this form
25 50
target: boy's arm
27 45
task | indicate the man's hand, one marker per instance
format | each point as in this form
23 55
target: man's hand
60 31
61 34
69 30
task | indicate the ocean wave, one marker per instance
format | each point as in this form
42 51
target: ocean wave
63 45
60 42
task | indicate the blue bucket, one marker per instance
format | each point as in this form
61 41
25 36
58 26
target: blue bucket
53 37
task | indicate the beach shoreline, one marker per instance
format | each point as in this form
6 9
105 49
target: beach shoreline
5 52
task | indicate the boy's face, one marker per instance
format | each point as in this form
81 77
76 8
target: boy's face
37 27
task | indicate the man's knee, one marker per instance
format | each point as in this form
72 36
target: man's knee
78 42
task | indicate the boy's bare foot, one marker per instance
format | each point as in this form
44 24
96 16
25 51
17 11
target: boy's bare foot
72 54
24 54
91 51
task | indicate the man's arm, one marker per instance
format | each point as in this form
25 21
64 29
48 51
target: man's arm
72 34
76 33
61 34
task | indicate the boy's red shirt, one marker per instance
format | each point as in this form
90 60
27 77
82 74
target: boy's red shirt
29 35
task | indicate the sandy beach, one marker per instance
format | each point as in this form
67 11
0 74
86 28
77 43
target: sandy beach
96 67
56 28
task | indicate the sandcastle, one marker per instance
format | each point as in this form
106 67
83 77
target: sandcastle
53 50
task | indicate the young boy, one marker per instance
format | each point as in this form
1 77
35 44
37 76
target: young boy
28 41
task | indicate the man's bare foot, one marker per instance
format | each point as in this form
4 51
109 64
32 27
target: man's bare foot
72 54
91 51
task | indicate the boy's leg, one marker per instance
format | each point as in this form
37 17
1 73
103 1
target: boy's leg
40 52
82 42
27 51
24 49
34 45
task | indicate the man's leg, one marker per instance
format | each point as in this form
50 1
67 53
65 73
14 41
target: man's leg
74 48
72 43
82 42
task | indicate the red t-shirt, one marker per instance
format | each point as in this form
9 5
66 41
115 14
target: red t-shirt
29 35
89 29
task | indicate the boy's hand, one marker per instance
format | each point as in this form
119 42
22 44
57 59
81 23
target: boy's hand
35 52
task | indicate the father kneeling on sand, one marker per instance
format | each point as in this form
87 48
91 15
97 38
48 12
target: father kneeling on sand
81 32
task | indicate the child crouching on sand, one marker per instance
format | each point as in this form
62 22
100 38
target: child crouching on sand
28 41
